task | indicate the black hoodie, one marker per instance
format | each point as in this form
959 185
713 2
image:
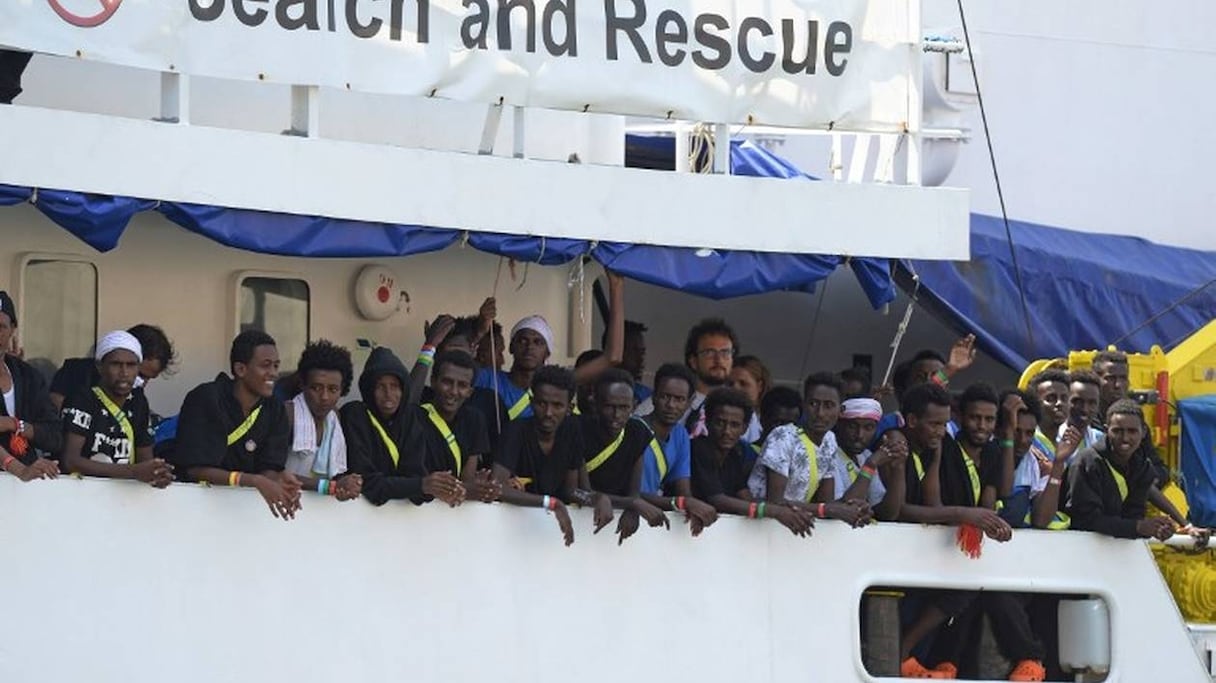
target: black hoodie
366 452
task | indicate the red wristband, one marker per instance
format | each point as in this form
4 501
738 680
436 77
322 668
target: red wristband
820 511
679 502
7 459
751 511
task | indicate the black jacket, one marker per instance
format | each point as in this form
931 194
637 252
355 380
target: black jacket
1095 502
33 403
366 452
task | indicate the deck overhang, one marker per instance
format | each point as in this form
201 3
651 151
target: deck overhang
313 176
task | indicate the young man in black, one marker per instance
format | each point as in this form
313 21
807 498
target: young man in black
612 451
539 462
667 460
29 422
231 432
81 373
1108 483
457 440
633 356
106 425
986 475
719 476
926 410
385 441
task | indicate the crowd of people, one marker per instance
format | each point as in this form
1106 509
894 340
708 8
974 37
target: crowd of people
712 435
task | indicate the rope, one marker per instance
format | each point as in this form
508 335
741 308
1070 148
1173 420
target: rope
903 327
1187 297
1013 256
494 352
701 141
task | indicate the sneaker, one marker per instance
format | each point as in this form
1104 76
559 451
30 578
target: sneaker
912 668
1028 670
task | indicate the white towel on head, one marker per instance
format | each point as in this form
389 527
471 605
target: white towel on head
310 456
119 339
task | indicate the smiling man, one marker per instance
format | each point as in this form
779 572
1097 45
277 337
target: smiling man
106 425
1109 482
231 432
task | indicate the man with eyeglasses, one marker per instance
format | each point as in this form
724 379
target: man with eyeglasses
709 352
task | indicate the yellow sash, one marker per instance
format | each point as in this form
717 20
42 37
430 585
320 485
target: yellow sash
520 406
920 468
388 443
660 458
851 467
245 426
121 418
973 474
812 461
594 463
1120 480
442 425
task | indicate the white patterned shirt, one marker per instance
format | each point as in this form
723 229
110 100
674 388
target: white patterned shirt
784 453
844 478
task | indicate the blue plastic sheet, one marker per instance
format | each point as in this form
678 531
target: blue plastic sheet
11 194
98 220
1084 291
1198 457
291 235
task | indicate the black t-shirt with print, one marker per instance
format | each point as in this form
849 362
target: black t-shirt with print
85 414
709 478
469 428
614 476
519 451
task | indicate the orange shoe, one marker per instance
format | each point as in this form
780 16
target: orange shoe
912 668
1028 670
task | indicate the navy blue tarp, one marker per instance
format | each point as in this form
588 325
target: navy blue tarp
1084 290
100 221
1198 443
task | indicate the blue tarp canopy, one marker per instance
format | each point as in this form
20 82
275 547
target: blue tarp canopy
1084 291
100 221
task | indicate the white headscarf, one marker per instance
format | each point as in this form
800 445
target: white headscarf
538 325
119 339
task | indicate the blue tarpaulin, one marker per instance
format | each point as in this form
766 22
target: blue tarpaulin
1084 291
100 221
1198 457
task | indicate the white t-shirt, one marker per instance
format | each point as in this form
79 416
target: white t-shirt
844 476
10 400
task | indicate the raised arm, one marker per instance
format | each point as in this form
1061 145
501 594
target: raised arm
616 333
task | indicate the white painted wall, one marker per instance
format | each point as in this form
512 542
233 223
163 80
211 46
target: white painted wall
164 275
116 581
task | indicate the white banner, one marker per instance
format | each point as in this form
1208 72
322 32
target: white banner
844 64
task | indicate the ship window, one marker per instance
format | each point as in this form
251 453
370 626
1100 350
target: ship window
281 308
58 316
